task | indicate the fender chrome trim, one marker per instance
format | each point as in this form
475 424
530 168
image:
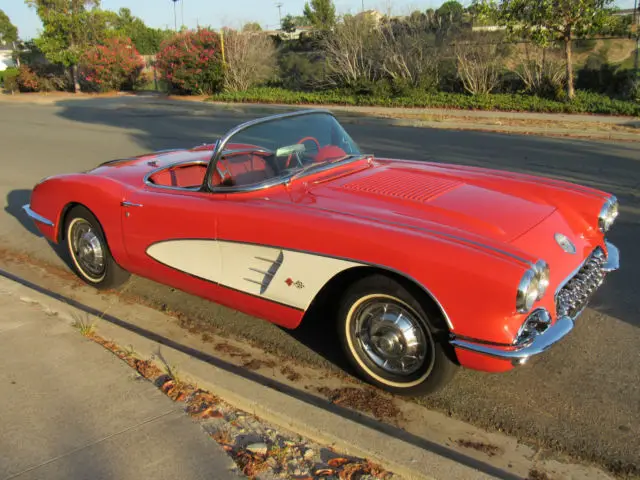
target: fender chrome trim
37 217
520 354
613 257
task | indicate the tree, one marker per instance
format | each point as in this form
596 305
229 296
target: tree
252 27
446 20
354 53
321 14
288 24
251 60
546 21
147 40
8 31
70 27
301 21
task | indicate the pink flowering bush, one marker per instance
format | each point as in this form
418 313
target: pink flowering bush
116 65
28 80
191 62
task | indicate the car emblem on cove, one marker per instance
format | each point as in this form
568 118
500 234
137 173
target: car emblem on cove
565 243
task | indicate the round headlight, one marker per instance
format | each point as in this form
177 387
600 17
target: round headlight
608 214
532 287
527 291
542 272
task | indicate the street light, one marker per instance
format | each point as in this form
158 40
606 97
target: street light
175 15
636 25
279 5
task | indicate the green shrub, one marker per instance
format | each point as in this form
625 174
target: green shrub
299 71
585 102
9 79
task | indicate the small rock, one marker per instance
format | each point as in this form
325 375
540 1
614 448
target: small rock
258 448
308 454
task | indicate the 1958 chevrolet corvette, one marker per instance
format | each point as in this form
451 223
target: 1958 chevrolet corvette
420 267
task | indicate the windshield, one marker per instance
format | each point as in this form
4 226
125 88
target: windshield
281 147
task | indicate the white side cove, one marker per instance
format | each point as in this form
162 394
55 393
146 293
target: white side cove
284 276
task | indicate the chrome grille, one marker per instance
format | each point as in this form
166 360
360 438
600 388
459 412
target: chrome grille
573 297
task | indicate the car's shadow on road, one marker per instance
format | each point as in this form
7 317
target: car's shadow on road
16 199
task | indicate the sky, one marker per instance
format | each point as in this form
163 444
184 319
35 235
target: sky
233 13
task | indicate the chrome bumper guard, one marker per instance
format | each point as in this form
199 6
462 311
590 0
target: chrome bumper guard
37 217
519 354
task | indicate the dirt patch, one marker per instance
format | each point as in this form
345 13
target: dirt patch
290 373
483 447
364 400
231 350
536 474
256 364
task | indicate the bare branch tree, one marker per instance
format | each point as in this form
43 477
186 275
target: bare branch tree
540 69
251 59
479 66
408 58
352 52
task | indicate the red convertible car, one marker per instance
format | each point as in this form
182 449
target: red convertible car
419 267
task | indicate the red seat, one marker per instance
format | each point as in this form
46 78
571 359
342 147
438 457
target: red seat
329 152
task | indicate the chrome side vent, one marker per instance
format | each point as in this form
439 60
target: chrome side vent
266 272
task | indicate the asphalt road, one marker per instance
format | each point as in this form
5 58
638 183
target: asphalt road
583 397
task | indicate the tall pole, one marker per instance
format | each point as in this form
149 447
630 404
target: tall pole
279 5
363 5
175 16
636 25
182 11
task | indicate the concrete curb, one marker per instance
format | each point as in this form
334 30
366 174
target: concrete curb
318 424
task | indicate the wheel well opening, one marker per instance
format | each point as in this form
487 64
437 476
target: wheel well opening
63 220
325 303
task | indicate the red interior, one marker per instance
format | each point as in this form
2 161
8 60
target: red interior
180 176
244 169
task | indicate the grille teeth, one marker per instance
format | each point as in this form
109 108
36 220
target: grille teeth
405 185
575 294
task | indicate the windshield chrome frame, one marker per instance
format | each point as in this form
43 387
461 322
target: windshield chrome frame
221 144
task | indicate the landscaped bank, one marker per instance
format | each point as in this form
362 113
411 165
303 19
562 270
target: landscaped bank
584 102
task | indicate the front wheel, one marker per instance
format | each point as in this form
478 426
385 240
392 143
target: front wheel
394 340
87 247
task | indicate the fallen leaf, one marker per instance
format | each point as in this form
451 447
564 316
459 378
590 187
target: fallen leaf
338 462
324 471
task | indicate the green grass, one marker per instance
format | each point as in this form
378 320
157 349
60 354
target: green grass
584 102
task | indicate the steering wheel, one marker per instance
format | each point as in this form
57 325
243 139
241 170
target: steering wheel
305 139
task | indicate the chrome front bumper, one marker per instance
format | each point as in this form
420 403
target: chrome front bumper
518 355
37 217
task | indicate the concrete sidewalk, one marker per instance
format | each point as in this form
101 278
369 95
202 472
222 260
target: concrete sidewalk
69 409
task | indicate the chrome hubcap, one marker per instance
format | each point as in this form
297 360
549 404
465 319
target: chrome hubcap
391 336
87 248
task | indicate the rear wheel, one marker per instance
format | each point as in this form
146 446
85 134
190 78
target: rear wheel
88 250
394 338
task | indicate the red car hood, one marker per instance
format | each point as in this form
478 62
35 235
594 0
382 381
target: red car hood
433 197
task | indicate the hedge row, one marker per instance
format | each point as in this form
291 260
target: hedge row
584 102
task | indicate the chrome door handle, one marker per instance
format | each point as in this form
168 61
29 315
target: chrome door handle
130 204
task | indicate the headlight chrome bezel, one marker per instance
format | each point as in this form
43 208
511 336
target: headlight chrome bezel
608 214
532 287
